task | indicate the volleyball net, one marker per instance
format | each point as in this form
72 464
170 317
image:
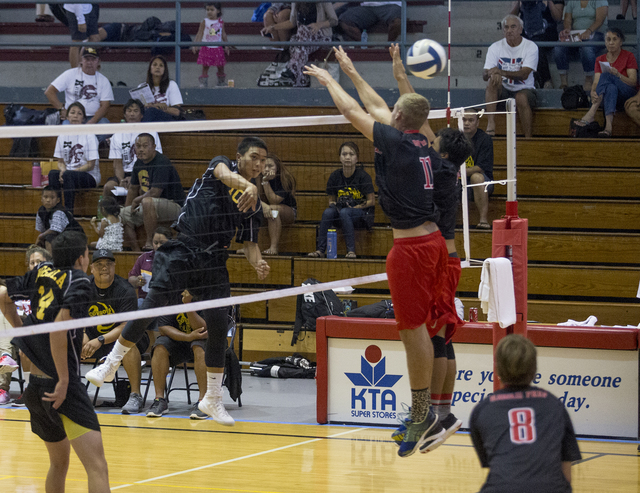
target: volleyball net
308 146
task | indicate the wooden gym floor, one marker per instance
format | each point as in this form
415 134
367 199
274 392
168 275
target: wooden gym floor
178 455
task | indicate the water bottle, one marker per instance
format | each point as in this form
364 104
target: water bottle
364 38
99 214
332 244
36 175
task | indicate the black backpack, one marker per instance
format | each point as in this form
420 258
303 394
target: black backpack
574 97
588 131
381 309
313 305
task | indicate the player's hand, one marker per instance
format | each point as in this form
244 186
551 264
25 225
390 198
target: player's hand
186 296
262 268
89 348
322 75
198 334
398 67
345 62
58 395
248 199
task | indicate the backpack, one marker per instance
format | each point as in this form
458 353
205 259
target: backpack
284 367
15 114
381 309
589 131
574 97
310 306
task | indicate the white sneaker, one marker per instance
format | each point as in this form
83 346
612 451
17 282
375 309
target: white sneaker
214 407
105 372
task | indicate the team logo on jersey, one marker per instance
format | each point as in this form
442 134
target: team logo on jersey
76 153
376 399
98 309
183 323
88 92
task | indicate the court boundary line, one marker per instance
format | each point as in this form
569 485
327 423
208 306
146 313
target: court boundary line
229 461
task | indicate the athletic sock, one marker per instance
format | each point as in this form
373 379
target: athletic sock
420 403
441 405
118 351
214 384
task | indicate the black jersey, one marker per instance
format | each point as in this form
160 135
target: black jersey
210 213
446 195
179 321
51 290
118 298
404 176
522 436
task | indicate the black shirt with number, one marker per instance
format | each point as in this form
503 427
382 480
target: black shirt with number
210 213
118 298
51 290
158 173
523 435
404 176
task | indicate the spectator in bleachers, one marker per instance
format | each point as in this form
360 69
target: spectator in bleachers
109 229
540 18
354 20
614 83
155 193
82 19
509 68
314 22
115 295
52 219
589 18
182 338
351 201
43 13
123 151
211 30
141 272
479 165
84 84
78 159
168 99
277 190
278 13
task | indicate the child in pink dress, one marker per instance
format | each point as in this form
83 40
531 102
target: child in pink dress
211 30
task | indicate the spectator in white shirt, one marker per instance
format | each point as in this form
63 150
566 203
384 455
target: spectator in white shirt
168 99
82 19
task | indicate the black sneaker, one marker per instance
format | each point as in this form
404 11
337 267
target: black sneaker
196 413
451 424
19 402
158 408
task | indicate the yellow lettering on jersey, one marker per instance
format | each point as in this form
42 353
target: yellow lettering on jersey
143 179
44 302
54 274
183 322
235 194
100 308
470 162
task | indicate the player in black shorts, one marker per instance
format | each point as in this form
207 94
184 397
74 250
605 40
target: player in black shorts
416 266
60 408
222 204
523 434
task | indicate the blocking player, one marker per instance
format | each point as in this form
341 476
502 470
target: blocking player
523 434
221 204
61 412
417 263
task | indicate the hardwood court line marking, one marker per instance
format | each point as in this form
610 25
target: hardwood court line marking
250 456
596 456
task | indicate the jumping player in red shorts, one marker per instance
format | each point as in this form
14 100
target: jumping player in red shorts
417 263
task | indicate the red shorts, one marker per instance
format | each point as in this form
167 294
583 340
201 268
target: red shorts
417 275
444 310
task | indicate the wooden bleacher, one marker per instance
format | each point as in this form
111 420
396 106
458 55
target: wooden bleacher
580 197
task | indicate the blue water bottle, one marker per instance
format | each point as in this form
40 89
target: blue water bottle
332 244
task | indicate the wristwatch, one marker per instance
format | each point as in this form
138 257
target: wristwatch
101 339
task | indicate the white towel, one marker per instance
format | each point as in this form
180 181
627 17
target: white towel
589 322
496 291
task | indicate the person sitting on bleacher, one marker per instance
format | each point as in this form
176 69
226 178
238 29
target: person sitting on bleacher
123 151
85 85
115 295
351 201
155 193
141 272
168 99
354 20
52 218
182 338
78 158
277 14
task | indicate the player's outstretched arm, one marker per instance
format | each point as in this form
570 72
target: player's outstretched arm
252 252
249 198
375 105
399 72
348 106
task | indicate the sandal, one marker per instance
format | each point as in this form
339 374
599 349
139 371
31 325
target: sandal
316 254
350 255
483 225
581 123
270 251
604 134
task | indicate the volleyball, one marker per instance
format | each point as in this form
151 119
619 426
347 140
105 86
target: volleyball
426 58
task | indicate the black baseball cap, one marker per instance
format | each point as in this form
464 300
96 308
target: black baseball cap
90 52
102 253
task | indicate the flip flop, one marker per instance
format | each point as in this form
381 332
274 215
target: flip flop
350 255
581 123
604 134
483 225
315 254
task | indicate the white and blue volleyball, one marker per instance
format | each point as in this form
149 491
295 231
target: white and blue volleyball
426 58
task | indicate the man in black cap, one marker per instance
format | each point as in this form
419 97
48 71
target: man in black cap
115 295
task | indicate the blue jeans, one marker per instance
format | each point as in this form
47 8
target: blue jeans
588 55
348 218
615 92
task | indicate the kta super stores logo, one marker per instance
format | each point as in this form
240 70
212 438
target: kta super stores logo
375 399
